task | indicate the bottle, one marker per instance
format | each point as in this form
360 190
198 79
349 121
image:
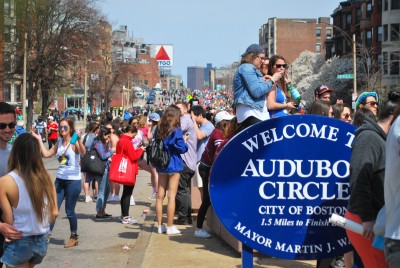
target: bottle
74 138
143 217
293 92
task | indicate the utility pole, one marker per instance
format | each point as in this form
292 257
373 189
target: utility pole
354 65
24 82
85 97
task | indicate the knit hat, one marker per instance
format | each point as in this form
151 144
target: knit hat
363 96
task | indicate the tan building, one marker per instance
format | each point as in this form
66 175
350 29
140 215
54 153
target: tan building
290 37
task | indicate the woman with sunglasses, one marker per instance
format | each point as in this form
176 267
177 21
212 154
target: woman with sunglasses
68 178
342 112
277 99
368 100
250 87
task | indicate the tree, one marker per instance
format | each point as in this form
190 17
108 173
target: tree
57 31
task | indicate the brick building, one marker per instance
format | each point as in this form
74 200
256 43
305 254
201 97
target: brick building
290 37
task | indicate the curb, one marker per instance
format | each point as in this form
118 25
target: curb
147 229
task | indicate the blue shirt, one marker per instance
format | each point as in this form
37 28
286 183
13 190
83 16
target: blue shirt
175 145
249 87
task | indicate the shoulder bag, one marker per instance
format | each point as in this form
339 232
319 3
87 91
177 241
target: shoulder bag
92 163
121 170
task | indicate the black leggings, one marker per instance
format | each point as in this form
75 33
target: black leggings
125 200
204 172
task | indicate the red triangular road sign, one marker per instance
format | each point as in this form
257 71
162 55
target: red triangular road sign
162 54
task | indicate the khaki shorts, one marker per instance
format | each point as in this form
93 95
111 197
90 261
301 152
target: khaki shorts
196 180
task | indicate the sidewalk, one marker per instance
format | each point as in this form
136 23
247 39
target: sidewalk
185 250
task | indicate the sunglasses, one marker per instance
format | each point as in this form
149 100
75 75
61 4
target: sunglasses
281 65
61 127
372 103
10 125
262 58
347 116
134 123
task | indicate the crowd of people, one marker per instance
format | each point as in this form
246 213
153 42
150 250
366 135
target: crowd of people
193 127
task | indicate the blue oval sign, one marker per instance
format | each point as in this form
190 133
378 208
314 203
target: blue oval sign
275 185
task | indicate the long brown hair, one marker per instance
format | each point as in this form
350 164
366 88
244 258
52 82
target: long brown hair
281 82
26 159
169 121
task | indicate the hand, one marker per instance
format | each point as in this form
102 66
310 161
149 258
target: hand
10 232
276 76
36 135
368 232
193 117
290 105
267 78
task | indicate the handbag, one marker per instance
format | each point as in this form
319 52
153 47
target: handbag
121 170
92 163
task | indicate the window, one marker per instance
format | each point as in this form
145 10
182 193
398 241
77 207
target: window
348 21
385 33
7 62
386 5
395 4
385 63
271 49
369 10
394 63
380 33
328 32
318 48
368 40
394 32
146 82
7 92
7 7
318 32
17 92
7 34
271 32
359 14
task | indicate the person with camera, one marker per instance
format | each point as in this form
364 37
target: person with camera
68 178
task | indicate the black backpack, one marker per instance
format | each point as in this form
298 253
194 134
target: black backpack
157 154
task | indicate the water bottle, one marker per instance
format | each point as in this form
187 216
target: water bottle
143 217
294 92
74 138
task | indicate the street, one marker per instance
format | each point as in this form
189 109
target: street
106 243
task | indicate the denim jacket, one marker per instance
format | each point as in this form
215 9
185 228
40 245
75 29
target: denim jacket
249 87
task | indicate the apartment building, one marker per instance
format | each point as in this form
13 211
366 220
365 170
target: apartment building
290 37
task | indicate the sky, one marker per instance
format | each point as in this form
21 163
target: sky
206 31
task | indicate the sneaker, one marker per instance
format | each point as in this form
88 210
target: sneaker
132 201
129 220
103 217
201 233
172 230
88 199
153 197
162 229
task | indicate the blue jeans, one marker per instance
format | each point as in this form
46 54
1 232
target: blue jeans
30 249
104 191
68 190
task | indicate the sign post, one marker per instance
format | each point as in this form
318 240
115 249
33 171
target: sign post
291 174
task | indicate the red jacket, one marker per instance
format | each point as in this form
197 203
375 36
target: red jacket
124 145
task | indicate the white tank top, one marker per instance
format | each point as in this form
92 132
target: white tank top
25 219
69 163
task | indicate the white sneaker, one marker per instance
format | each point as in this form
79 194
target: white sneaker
129 220
132 201
173 230
162 229
201 233
88 199
116 198
153 197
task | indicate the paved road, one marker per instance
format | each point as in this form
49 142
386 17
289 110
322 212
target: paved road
100 243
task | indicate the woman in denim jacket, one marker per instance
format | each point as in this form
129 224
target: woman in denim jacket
170 132
250 87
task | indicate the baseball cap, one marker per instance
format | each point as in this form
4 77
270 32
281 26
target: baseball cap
254 48
40 117
154 117
321 90
223 115
50 117
363 96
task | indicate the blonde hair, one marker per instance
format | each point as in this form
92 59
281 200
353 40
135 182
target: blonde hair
26 159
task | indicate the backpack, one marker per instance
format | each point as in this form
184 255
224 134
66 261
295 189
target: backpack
157 154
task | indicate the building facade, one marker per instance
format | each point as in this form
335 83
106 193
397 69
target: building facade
195 77
391 45
277 36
